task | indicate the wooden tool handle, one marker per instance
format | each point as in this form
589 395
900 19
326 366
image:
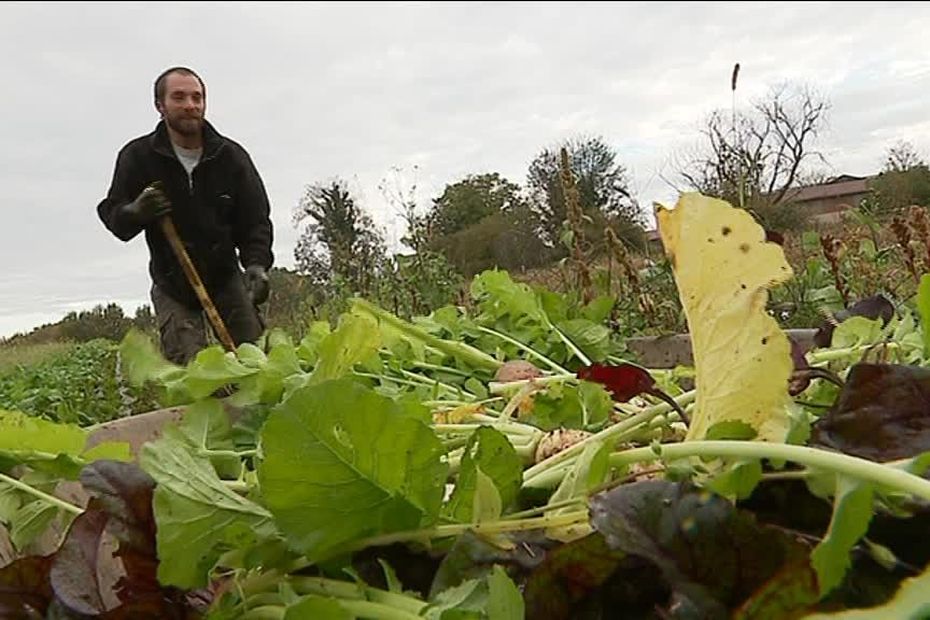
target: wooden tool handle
193 277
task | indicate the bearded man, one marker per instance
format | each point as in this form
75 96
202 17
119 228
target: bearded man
211 189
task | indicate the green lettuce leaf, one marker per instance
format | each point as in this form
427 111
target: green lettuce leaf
211 369
494 597
308 351
342 462
198 517
591 338
267 385
589 470
498 295
356 339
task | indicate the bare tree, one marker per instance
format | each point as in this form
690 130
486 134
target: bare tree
752 159
902 157
402 196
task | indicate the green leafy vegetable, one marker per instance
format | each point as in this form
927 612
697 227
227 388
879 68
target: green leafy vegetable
198 517
489 452
354 340
314 606
851 515
342 462
589 471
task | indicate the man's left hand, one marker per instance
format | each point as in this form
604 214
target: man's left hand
256 282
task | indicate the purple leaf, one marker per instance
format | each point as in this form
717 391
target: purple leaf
569 576
802 374
121 506
624 381
74 570
713 557
25 592
881 413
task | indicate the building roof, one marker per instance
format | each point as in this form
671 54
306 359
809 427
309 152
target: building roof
835 187
843 185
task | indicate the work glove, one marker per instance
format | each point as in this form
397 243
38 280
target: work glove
256 282
149 205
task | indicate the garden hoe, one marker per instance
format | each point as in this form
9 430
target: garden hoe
193 277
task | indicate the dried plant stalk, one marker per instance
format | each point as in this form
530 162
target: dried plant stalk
903 233
920 222
831 247
576 221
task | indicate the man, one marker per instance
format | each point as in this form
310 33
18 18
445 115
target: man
210 188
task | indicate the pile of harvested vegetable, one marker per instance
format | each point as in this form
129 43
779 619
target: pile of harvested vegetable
507 464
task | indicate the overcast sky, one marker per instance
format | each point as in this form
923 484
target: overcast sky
437 90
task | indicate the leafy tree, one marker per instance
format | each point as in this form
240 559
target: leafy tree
467 202
101 322
340 241
518 245
504 240
483 221
289 301
341 254
602 183
418 283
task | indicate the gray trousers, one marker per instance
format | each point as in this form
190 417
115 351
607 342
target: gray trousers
183 331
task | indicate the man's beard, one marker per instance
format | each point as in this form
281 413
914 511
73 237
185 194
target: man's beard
185 125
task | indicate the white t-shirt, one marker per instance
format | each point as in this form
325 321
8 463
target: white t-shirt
188 159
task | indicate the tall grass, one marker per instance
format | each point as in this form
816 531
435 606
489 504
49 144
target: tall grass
20 355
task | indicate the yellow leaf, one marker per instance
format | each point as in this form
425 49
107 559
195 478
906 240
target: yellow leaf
459 414
723 268
525 408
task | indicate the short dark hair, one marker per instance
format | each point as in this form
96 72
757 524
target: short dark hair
160 81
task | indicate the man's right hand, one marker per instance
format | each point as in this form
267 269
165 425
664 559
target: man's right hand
149 205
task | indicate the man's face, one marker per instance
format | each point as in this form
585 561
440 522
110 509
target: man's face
183 104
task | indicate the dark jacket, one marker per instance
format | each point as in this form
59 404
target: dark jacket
225 211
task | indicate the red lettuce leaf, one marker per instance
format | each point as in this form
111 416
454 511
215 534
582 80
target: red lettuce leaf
624 381
74 570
